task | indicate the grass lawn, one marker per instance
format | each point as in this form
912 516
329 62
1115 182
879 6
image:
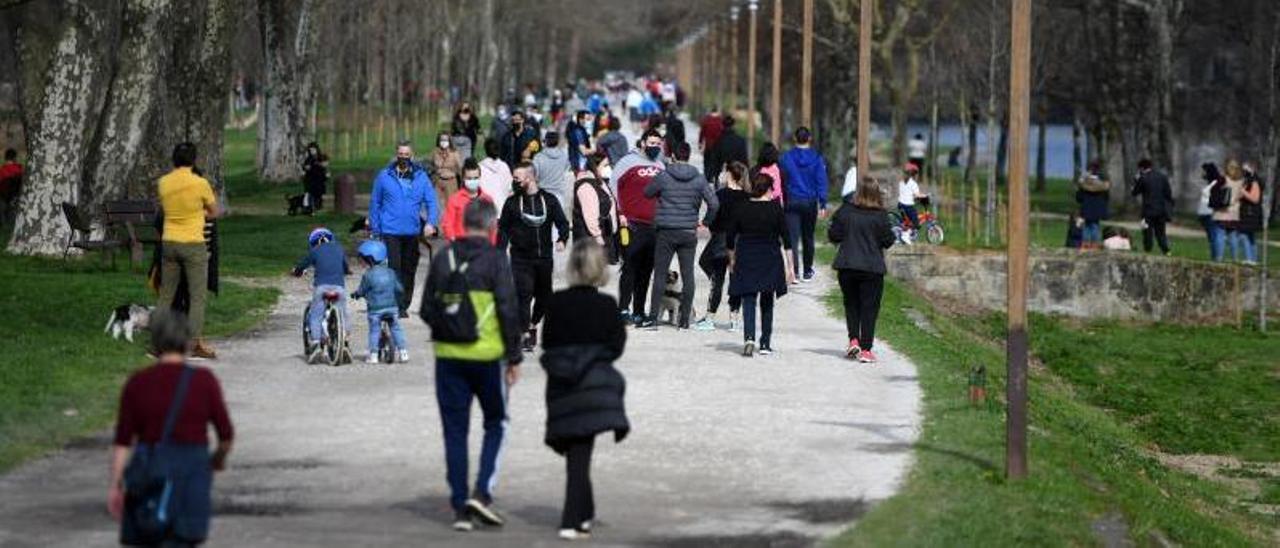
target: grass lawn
1107 398
61 375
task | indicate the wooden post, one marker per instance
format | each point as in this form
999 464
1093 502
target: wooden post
864 80
1019 126
775 92
754 7
733 58
806 68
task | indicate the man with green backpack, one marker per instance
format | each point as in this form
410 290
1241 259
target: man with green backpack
470 303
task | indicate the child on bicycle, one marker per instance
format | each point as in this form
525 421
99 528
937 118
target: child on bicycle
330 263
381 289
908 193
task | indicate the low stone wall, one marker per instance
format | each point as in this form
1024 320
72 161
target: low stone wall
1128 286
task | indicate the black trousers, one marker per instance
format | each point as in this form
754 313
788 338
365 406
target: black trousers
766 317
533 286
637 269
402 257
579 502
682 244
1155 227
802 221
717 270
861 291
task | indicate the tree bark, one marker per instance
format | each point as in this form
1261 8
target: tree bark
288 38
64 63
489 56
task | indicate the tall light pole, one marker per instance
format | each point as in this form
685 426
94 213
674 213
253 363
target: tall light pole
864 86
733 57
753 6
775 91
1016 349
806 65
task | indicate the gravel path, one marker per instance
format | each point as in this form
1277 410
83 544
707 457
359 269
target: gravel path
780 450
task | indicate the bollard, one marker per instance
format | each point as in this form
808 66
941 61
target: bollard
345 194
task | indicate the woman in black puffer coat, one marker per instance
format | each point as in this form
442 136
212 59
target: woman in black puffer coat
582 337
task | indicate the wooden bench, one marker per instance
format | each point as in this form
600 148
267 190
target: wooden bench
81 234
138 219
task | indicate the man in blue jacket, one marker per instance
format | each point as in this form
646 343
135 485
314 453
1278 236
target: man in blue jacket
402 194
804 174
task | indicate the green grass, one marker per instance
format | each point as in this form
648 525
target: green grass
1086 461
61 374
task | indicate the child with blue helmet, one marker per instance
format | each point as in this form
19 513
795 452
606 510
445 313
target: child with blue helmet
330 263
381 289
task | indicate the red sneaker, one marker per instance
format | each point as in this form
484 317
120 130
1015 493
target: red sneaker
852 351
866 357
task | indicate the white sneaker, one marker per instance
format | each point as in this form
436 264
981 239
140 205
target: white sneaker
733 321
574 534
372 359
402 356
705 324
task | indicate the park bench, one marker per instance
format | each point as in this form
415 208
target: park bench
138 219
81 234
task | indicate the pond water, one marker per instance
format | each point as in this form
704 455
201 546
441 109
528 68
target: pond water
1057 142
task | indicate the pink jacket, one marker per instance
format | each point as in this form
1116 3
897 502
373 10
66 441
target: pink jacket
775 173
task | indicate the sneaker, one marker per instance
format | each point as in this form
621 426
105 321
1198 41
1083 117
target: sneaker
649 324
372 359
705 324
765 350
733 321
203 351
402 356
574 534
749 349
530 340
627 317
866 357
462 521
853 350
809 275
314 353
485 512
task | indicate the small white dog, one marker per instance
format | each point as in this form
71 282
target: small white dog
126 318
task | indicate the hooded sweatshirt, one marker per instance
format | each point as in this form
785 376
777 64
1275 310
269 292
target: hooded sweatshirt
632 174
680 191
805 174
554 175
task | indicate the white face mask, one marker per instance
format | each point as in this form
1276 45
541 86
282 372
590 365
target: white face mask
444 144
473 185
606 172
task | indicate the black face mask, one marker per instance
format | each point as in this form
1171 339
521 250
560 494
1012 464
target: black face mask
653 152
402 163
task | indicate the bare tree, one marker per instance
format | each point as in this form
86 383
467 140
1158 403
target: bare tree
288 30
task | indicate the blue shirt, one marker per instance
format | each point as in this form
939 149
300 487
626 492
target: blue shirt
398 201
330 262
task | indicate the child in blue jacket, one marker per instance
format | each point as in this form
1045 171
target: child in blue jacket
330 262
382 290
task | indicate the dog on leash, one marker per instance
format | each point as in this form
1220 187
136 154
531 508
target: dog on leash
671 297
126 318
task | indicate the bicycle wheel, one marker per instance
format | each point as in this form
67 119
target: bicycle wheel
386 345
935 234
306 333
333 335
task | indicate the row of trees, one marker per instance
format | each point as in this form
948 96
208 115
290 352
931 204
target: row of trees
107 87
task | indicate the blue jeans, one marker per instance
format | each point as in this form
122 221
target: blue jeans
457 381
1092 231
375 329
1242 244
1217 237
765 300
316 318
910 212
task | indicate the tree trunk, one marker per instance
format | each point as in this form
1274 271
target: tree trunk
489 56
109 172
64 63
575 51
971 142
552 44
288 36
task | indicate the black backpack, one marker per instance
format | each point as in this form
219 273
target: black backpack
449 310
1219 195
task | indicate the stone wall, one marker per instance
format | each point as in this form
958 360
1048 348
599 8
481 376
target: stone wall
1117 285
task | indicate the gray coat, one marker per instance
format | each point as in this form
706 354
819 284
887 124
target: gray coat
681 190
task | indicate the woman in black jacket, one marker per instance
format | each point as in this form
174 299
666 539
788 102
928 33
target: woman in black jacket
755 235
862 231
582 337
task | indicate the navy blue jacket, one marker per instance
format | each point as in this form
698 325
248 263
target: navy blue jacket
330 262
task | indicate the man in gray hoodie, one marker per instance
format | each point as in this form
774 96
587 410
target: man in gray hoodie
681 190
554 173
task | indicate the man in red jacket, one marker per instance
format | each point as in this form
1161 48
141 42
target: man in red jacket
635 212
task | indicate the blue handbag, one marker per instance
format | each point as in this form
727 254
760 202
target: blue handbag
149 482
